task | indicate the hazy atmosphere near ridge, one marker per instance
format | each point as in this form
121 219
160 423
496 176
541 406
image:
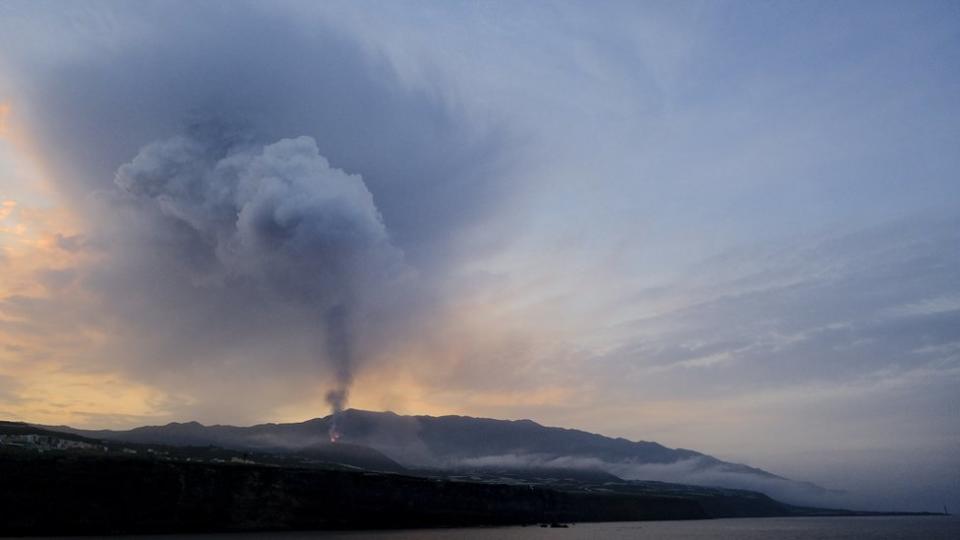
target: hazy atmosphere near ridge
732 227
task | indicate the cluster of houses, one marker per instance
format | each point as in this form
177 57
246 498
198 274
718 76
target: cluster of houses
36 441
48 442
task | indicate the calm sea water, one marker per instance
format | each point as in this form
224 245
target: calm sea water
837 528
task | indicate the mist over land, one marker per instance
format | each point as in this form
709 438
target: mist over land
728 227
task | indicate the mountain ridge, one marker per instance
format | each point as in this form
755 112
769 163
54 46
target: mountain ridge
324 421
448 437
464 443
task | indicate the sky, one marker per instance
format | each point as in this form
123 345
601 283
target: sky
726 226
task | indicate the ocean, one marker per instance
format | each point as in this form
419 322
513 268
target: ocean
832 528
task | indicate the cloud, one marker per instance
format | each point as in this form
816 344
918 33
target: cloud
815 310
693 471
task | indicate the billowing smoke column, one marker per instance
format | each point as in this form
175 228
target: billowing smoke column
280 219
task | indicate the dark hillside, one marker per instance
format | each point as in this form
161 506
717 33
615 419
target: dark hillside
91 495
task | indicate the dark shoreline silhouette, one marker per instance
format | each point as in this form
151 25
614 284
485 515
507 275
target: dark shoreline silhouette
68 494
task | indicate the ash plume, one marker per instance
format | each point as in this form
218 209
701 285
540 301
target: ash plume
338 346
276 218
